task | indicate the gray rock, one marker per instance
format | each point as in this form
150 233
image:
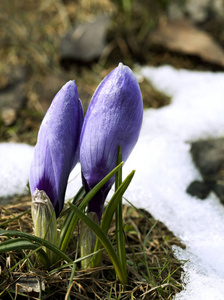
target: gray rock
208 156
199 189
86 41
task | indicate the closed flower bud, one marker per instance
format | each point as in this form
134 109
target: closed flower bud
87 240
57 149
113 118
44 220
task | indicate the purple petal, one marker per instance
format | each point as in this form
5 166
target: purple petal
113 118
57 148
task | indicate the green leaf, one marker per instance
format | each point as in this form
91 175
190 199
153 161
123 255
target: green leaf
23 244
105 242
70 282
72 264
16 244
108 214
67 231
69 223
38 240
120 238
118 176
112 205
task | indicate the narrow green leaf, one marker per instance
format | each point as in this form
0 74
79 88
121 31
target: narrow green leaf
144 247
108 214
69 223
105 242
112 205
118 176
70 282
77 199
71 264
23 244
96 188
16 244
42 242
66 235
120 239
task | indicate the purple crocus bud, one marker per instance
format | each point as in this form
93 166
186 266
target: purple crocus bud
57 149
113 118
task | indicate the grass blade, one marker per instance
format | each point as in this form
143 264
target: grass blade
120 239
23 244
108 214
42 242
105 242
67 232
69 223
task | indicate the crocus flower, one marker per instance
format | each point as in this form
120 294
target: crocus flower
57 148
113 118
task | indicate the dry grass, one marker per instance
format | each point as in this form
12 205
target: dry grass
153 272
30 37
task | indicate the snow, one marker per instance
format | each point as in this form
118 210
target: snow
15 160
164 169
